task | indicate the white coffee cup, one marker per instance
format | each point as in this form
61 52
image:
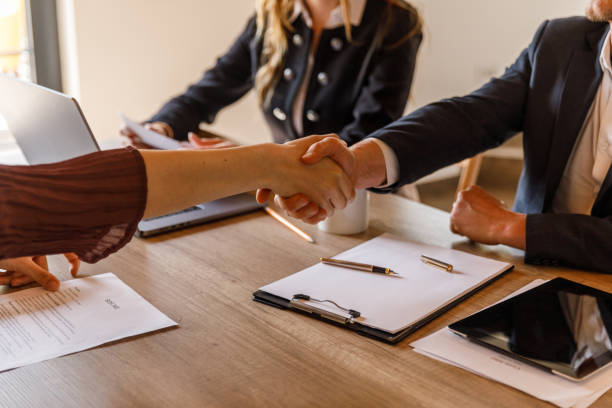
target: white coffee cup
351 220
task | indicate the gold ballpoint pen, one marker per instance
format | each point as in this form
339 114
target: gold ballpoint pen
358 266
436 263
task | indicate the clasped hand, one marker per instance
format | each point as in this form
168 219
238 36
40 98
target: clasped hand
476 214
321 183
323 179
320 149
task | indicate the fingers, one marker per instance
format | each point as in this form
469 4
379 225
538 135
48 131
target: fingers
129 138
347 188
298 206
202 142
343 192
262 195
21 271
325 204
41 261
317 218
75 263
337 199
321 149
20 280
159 127
134 141
27 270
5 277
453 227
334 148
309 140
125 131
208 143
477 196
292 205
309 211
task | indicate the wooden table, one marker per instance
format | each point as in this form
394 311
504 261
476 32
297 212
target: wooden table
232 352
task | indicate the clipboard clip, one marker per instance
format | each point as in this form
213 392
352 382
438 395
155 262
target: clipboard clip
336 317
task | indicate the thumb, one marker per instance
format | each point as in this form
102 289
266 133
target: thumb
194 139
334 148
262 195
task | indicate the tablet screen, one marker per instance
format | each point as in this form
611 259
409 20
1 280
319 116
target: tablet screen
560 326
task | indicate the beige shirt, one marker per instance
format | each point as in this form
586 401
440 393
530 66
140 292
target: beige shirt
592 154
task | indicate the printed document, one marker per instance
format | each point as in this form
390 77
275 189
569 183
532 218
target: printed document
37 325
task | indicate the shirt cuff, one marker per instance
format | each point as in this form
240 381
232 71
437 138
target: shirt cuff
391 163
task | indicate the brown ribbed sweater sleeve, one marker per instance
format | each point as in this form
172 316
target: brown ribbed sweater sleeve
89 205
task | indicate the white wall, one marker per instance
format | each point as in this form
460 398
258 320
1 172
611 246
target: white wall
468 41
131 55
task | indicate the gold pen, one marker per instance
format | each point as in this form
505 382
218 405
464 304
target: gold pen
436 263
289 225
358 266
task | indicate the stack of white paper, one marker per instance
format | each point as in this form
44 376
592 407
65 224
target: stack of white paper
37 325
450 348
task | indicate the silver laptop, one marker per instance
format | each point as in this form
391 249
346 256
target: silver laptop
50 127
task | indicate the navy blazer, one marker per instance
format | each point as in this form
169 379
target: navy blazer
336 101
546 94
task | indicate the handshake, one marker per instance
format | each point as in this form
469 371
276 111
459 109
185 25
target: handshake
327 177
308 177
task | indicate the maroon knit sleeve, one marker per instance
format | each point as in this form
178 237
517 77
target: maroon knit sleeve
89 205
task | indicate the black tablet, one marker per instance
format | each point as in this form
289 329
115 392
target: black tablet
561 326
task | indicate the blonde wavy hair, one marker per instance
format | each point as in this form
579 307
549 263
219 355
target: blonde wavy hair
273 23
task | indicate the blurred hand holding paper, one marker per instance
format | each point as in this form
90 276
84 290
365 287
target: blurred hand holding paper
150 137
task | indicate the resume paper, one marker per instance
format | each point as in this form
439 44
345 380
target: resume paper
37 325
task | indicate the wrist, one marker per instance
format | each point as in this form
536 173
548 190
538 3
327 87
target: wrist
511 231
370 168
269 162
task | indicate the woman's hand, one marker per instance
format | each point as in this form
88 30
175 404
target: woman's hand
132 139
21 271
324 183
299 206
208 143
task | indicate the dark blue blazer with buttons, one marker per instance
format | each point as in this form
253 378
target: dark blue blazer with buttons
336 101
546 94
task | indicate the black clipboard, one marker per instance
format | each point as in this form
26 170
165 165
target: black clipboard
344 321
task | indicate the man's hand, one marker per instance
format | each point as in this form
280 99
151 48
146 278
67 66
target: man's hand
323 183
364 163
299 206
21 271
132 139
483 218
